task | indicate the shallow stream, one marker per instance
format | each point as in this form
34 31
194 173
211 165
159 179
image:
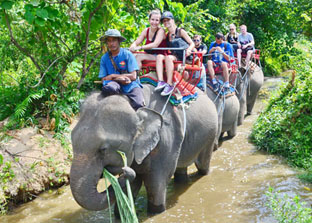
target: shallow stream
234 191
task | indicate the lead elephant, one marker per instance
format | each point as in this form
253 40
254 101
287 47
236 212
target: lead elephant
155 145
248 87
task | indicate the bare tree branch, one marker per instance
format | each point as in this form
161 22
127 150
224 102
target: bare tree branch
87 36
87 70
23 50
46 72
60 38
12 77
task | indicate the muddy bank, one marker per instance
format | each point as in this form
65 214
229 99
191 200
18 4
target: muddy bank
33 161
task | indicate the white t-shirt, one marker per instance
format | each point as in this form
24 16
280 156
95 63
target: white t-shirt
244 39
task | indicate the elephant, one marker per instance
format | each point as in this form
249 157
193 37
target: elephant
228 109
248 87
157 145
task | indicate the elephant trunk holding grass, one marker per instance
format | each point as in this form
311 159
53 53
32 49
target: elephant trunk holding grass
155 145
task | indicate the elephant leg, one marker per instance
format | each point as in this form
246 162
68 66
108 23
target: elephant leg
242 110
233 131
251 104
221 136
156 188
180 175
135 188
203 160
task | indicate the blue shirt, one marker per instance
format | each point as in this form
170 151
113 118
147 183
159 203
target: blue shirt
218 57
124 61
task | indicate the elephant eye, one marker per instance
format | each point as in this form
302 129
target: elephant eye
103 149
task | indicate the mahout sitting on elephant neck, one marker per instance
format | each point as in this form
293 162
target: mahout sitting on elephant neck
154 144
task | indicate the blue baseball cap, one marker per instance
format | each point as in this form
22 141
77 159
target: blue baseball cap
166 15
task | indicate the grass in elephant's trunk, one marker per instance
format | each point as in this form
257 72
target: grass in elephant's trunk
125 204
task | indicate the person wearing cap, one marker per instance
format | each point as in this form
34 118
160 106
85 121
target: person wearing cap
118 69
154 36
221 52
174 33
245 45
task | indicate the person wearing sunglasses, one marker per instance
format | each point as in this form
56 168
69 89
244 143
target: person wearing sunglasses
199 46
231 37
220 52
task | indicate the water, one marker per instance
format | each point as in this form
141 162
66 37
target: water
234 191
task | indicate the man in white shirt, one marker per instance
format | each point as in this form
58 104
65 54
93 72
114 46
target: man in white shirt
245 45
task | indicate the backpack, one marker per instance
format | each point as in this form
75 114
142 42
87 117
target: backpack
177 42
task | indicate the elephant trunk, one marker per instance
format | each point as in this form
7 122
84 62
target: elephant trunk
84 177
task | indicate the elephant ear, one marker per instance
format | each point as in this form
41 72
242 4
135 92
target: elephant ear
148 135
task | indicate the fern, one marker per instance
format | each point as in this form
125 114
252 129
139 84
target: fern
22 107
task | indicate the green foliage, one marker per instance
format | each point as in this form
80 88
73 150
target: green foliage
42 49
46 46
191 17
286 210
274 24
125 203
6 173
284 127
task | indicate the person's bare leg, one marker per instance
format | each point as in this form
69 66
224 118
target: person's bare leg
210 69
160 67
140 57
212 75
239 57
169 67
249 54
225 71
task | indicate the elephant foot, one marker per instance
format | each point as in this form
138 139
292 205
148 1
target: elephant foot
231 134
180 178
221 136
240 121
215 146
155 209
203 171
248 113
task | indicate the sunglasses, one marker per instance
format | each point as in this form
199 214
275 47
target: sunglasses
231 29
196 40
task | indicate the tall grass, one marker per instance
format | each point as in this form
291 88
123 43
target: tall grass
125 203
